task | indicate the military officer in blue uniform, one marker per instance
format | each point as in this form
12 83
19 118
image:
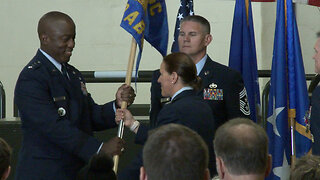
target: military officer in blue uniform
179 81
315 104
222 88
57 113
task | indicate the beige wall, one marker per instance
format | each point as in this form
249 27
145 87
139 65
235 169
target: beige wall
101 44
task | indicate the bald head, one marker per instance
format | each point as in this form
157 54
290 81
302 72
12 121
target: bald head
50 19
57 32
243 146
180 154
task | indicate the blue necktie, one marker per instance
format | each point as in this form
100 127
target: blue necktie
64 71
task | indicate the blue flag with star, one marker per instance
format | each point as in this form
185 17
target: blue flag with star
147 20
277 125
287 91
185 9
243 54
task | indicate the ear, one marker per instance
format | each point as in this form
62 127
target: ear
6 173
269 165
143 175
207 39
43 38
220 167
174 77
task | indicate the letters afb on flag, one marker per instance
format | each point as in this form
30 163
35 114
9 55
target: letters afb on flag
147 19
287 91
243 53
185 9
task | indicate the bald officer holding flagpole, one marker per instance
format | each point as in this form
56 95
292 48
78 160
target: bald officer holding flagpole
58 115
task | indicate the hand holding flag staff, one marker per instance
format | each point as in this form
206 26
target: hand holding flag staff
143 19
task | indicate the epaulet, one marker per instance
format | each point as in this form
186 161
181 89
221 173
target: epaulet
34 65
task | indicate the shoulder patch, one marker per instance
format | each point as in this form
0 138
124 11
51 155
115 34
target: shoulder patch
244 104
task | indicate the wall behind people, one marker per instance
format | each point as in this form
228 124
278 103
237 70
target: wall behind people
101 44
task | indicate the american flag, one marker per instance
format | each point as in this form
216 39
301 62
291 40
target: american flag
185 9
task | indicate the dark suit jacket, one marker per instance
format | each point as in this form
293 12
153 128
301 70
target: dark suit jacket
226 79
56 144
315 120
187 109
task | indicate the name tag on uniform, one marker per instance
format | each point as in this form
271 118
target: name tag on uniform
61 98
212 94
165 100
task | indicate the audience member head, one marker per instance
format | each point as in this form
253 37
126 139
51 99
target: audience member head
306 168
241 148
316 55
174 152
194 37
5 155
176 71
57 32
100 167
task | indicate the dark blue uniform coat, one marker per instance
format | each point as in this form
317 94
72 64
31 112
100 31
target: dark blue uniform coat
315 120
214 76
187 109
58 117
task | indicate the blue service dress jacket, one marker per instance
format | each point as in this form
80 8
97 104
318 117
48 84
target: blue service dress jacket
315 120
222 88
187 109
58 118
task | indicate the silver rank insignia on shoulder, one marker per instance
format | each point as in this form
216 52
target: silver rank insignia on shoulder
244 104
34 64
61 111
213 85
83 88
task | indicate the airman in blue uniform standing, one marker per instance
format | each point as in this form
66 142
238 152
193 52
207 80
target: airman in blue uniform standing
222 88
179 81
57 113
315 104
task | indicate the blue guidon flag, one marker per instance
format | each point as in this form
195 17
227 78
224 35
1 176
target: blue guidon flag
147 19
